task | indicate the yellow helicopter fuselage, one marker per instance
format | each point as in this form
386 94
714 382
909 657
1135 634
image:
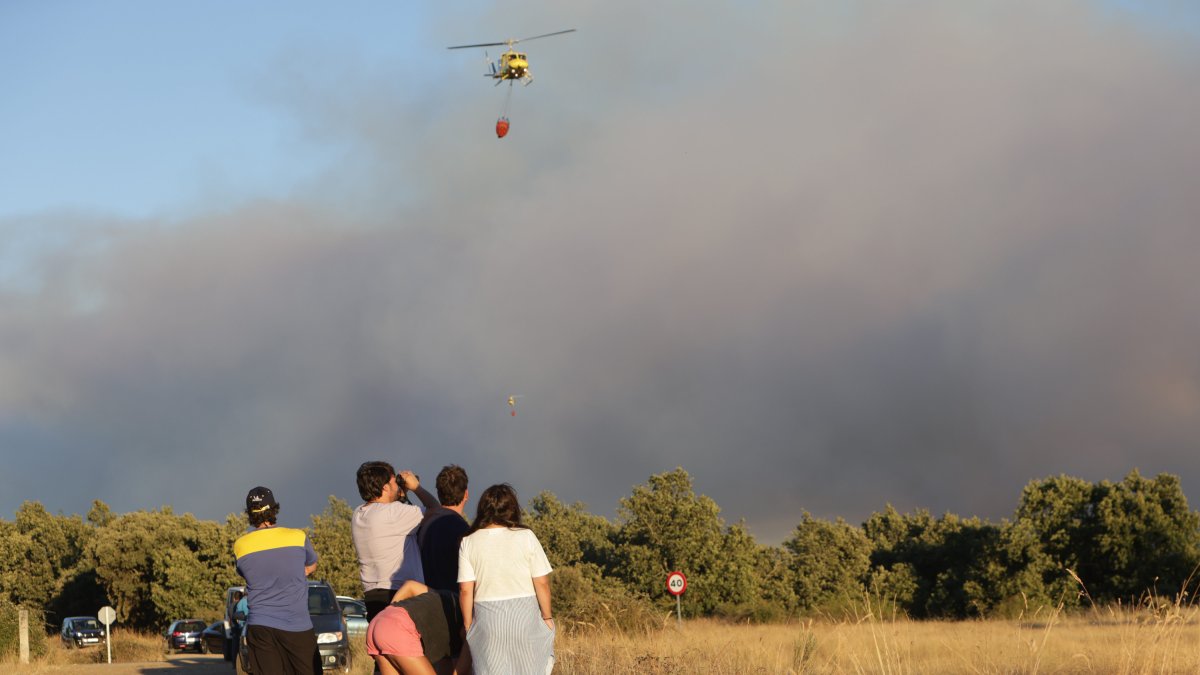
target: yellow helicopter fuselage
513 66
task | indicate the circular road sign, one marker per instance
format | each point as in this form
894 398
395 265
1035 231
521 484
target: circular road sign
106 615
676 583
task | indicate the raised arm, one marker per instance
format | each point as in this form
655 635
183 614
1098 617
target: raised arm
412 484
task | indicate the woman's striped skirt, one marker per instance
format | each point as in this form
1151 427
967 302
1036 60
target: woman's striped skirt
508 637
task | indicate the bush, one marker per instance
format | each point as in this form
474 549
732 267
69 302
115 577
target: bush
10 639
583 600
754 611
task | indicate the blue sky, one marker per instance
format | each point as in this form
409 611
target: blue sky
134 108
825 259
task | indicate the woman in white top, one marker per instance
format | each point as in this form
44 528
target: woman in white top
504 590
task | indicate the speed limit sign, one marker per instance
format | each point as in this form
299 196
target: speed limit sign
676 583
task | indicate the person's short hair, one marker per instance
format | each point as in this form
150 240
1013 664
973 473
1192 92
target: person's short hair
451 485
372 476
498 505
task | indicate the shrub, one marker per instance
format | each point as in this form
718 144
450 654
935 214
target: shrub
583 600
10 639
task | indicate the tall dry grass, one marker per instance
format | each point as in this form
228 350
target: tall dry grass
128 646
1153 636
1149 638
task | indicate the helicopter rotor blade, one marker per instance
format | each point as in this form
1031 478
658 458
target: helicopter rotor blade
569 30
485 44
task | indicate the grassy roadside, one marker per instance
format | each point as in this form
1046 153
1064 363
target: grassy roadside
1118 641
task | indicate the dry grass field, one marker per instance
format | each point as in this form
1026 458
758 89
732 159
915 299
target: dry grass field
1165 640
1107 642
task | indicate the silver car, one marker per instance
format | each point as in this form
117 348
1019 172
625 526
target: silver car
355 613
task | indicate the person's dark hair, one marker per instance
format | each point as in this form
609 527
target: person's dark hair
266 516
498 505
451 485
372 476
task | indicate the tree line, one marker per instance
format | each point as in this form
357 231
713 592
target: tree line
1069 542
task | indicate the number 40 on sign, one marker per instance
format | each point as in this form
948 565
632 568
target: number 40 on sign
676 585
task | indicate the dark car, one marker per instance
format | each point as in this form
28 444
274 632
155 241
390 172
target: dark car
332 639
184 636
82 631
214 638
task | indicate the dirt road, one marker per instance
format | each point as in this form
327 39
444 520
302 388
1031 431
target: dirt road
178 664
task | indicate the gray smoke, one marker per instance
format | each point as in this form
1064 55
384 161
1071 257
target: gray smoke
824 259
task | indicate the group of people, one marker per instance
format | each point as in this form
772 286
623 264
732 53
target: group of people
442 596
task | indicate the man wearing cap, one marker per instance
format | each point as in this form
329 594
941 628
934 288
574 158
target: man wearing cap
276 561
383 529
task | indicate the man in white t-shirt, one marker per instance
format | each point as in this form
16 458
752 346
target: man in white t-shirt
383 529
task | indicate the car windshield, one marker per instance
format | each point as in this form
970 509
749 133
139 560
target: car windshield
85 624
190 626
321 600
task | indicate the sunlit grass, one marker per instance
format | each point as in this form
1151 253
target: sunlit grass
1152 637
1118 641
127 646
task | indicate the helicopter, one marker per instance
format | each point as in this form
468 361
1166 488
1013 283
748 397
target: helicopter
512 65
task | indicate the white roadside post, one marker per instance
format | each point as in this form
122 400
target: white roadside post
23 629
676 585
107 615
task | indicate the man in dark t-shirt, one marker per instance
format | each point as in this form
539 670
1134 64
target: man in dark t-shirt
442 529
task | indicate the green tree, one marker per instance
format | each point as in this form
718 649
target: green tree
580 548
829 562
38 551
1010 580
570 535
1148 536
1122 539
331 537
1057 516
156 566
756 582
931 567
664 526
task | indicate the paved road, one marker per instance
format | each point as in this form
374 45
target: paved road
178 664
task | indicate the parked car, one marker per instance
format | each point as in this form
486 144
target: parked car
214 638
82 631
184 636
333 640
355 613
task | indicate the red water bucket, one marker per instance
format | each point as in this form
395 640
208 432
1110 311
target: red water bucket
502 127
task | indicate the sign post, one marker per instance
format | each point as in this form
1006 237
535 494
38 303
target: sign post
107 615
676 585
